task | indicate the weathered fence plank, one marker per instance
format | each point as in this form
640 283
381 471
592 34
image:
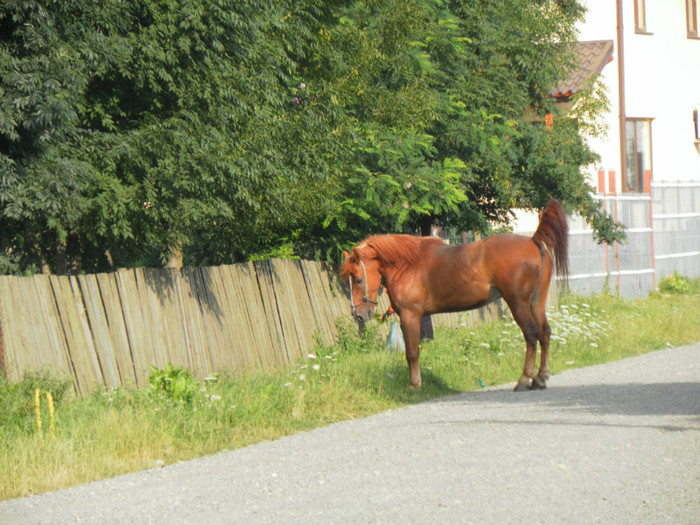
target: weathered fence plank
47 327
271 315
134 325
290 307
114 317
152 328
99 328
198 355
234 356
77 334
250 311
10 362
210 317
24 306
320 298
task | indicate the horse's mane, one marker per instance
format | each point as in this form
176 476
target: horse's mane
392 250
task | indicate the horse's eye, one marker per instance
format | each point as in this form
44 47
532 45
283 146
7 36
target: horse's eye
358 281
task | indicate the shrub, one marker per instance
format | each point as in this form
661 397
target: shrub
175 383
675 284
17 399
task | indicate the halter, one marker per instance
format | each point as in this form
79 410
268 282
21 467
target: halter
365 298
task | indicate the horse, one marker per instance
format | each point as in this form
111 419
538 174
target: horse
424 276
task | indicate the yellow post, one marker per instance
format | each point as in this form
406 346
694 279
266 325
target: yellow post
52 426
37 409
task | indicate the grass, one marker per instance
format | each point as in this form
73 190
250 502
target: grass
119 431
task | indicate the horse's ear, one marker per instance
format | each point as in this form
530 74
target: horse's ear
346 254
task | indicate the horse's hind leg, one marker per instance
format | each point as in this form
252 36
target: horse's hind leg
531 331
539 309
540 380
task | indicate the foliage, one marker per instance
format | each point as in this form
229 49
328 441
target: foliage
131 129
17 399
230 130
176 383
443 98
676 284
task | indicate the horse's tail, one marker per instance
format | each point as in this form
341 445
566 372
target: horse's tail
552 235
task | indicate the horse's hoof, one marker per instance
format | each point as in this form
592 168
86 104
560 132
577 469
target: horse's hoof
412 388
538 384
521 387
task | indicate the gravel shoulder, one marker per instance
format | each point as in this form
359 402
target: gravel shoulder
614 443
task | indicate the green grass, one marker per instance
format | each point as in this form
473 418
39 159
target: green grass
121 431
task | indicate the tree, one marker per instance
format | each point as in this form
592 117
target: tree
223 130
133 130
442 98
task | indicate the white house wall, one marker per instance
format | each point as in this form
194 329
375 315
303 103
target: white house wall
662 77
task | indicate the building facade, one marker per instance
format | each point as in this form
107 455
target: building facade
648 175
654 90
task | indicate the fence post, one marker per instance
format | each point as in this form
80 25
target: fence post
613 192
647 186
601 181
3 372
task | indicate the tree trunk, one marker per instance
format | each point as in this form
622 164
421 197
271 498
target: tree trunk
425 224
175 258
61 258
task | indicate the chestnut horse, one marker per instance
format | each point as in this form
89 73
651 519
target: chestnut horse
424 276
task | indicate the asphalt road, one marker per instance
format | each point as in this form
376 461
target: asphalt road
615 444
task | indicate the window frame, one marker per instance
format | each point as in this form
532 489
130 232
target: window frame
640 17
640 179
691 18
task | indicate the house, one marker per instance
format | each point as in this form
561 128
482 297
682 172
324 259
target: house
648 176
592 57
654 91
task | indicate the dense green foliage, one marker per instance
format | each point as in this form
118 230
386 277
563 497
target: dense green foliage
675 283
232 129
172 382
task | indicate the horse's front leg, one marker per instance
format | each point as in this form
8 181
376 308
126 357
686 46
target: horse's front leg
410 326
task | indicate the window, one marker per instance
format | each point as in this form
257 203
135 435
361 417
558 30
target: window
638 173
640 16
691 10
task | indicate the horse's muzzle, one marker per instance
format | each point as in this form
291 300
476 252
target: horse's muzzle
363 312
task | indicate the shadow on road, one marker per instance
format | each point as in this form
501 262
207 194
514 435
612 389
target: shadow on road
656 399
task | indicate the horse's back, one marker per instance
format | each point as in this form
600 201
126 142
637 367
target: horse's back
456 278
507 242
500 247
514 261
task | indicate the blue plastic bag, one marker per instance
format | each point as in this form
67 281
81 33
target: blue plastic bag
395 339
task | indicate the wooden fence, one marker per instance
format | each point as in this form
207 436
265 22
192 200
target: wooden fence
106 330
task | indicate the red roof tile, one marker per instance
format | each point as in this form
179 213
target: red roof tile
592 58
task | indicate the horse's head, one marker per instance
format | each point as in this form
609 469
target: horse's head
365 283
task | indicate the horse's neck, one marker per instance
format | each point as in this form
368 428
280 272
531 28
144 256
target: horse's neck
392 271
